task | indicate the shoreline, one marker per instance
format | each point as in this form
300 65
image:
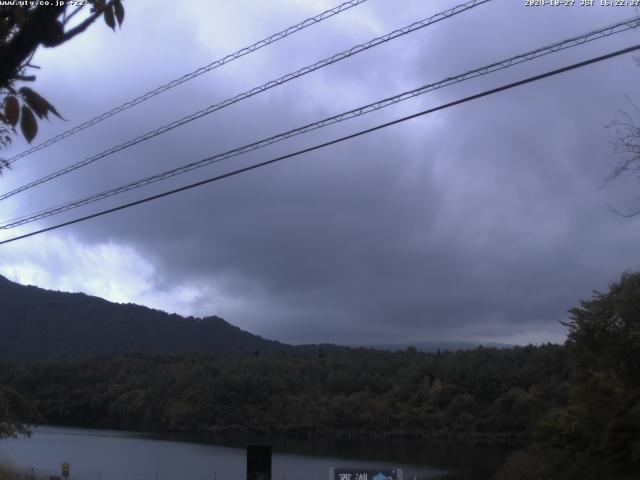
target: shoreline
233 432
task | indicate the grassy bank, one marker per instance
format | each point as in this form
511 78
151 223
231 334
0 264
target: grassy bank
10 472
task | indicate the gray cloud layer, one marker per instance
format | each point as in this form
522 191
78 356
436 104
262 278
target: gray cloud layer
483 221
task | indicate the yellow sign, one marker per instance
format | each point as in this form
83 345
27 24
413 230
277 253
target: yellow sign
65 469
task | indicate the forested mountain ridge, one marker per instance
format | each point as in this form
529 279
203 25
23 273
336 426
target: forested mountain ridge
478 394
36 324
576 406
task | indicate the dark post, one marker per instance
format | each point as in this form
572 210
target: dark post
258 462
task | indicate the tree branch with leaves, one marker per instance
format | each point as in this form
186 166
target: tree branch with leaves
22 30
16 413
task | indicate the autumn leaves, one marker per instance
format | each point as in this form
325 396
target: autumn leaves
33 105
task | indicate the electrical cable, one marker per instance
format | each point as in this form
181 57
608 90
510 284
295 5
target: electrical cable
331 142
254 91
191 75
493 67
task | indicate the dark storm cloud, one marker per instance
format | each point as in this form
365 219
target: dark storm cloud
484 221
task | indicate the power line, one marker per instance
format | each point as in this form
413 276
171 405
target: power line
493 67
332 142
189 76
254 91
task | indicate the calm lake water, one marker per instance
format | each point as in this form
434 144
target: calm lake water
116 455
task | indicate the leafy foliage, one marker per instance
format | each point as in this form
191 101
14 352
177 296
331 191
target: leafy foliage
597 433
15 412
579 404
482 394
604 335
24 27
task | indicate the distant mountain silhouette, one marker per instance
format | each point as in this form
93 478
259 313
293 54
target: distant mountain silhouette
435 345
36 323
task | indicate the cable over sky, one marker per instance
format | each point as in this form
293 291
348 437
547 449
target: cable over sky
191 75
444 15
485 93
603 32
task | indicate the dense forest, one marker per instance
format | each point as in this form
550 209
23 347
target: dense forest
574 409
481 393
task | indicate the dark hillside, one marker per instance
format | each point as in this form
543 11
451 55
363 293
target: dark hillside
37 324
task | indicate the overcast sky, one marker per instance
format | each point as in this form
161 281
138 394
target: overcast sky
481 222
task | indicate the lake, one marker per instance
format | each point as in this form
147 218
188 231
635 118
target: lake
116 455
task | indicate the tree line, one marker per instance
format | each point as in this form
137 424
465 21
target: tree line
482 393
574 408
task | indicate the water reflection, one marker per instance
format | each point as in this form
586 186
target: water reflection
116 455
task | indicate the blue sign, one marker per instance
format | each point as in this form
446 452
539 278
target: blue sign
365 474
